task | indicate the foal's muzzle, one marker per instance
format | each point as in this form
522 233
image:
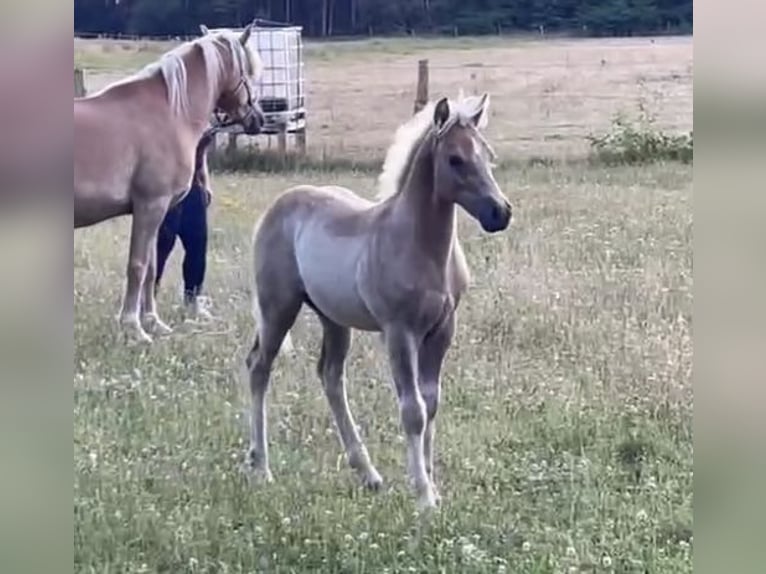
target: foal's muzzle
494 216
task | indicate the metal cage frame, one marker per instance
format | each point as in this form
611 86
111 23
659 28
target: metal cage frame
283 114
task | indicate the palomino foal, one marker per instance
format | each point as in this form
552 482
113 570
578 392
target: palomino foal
393 266
135 141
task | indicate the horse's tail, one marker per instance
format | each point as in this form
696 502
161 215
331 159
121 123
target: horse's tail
287 342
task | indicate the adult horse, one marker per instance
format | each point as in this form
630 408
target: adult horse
394 266
135 141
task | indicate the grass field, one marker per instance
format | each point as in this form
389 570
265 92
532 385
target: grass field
547 96
564 440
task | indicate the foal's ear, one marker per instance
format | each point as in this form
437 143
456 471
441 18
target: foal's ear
481 117
441 113
246 34
204 29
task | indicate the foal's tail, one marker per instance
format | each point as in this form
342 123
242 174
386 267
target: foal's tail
287 342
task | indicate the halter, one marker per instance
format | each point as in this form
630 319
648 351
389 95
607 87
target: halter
251 101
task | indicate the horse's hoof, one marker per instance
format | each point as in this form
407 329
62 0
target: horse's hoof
135 334
138 338
156 325
161 328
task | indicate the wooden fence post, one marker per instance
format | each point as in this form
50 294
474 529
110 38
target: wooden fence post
231 146
421 95
300 140
282 142
79 83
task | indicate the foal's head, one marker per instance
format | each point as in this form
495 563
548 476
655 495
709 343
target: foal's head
237 99
462 162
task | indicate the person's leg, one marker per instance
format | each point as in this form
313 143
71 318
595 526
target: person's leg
193 235
166 239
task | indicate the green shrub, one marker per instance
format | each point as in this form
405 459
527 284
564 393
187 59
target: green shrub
640 142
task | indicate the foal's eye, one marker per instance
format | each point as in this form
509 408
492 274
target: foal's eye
455 161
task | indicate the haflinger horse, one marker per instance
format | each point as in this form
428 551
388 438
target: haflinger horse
135 141
393 265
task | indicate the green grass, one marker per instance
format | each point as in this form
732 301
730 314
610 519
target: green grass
564 441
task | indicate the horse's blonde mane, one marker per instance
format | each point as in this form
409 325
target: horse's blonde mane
172 66
410 135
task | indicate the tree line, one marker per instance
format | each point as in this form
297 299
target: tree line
325 18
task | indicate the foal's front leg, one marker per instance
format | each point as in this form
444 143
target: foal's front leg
430 360
403 355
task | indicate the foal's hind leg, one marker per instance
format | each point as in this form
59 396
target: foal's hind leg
335 346
275 322
147 216
430 359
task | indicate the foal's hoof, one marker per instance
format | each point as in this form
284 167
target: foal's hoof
428 501
372 480
260 476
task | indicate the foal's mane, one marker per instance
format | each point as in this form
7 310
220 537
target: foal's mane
172 67
412 134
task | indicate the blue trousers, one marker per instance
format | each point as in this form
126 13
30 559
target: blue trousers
186 221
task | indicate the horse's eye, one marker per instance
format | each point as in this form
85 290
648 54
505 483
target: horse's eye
455 161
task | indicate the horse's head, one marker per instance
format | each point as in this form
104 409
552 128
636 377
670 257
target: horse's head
237 100
462 161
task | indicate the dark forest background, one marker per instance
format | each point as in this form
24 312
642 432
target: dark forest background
324 18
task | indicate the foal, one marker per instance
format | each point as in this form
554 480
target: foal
394 266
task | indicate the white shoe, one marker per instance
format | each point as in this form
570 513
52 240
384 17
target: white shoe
197 308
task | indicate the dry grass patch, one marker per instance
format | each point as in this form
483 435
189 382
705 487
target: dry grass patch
547 96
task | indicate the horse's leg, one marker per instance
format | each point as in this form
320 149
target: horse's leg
403 355
275 322
147 216
148 300
430 360
331 369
